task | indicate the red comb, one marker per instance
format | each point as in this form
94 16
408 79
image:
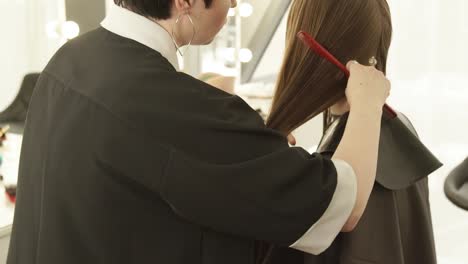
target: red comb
322 52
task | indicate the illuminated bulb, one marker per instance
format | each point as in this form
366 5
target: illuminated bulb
245 9
70 29
245 55
232 12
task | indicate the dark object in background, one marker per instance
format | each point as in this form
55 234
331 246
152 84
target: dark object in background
403 158
3 131
456 185
12 119
15 114
11 193
17 110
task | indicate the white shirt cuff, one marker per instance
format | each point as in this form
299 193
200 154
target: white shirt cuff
323 232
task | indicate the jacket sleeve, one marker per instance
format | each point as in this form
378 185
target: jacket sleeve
289 197
286 197
264 190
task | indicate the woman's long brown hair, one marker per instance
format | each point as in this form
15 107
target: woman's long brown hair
308 84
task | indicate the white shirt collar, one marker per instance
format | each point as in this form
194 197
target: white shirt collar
128 24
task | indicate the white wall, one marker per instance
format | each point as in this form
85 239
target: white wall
429 36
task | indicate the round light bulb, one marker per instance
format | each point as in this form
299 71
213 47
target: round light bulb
245 55
245 9
70 29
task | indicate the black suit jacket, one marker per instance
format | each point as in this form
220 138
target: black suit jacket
126 160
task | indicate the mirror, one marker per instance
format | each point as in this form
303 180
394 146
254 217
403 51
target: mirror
264 35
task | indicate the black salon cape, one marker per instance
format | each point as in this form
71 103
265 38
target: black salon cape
125 160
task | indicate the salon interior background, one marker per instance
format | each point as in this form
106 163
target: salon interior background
430 35
428 67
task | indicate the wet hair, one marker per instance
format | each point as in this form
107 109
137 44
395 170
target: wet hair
157 9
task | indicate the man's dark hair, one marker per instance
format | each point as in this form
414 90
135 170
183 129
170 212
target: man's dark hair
158 9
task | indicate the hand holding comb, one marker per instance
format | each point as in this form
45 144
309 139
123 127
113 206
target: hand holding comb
322 52
402 159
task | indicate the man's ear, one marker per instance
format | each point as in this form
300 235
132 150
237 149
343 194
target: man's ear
182 5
